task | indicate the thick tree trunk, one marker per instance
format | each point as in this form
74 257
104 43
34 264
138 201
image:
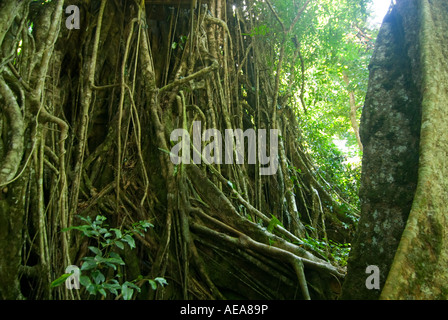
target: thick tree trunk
403 187
419 268
390 133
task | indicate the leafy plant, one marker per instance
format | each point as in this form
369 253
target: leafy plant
258 31
273 223
103 259
338 251
181 43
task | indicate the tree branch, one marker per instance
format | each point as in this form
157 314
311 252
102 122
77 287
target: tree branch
11 162
185 80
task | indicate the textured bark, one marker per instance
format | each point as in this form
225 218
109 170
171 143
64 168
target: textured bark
12 211
404 188
390 130
11 153
9 165
419 267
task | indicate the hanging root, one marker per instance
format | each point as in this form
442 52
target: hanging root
221 230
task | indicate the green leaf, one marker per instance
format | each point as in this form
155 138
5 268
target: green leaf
115 259
161 281
273 223
102 291
115 255
96 251
85 219
146 224
89 263
166 151
153 284
100 218
98 277
85 280
119 244
133 285
112 287
118 233
86 230
307 226
91 288
129 240
110 265
126 291
60 280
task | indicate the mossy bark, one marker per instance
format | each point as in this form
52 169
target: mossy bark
12 203
419 267
390 133
403 188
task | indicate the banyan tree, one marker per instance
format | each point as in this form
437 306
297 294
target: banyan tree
91 92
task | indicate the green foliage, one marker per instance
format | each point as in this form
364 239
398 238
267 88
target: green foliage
180 43
340 252
106 236
60 280
273 223
100 271
334 40
329 249
261 30
342 171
